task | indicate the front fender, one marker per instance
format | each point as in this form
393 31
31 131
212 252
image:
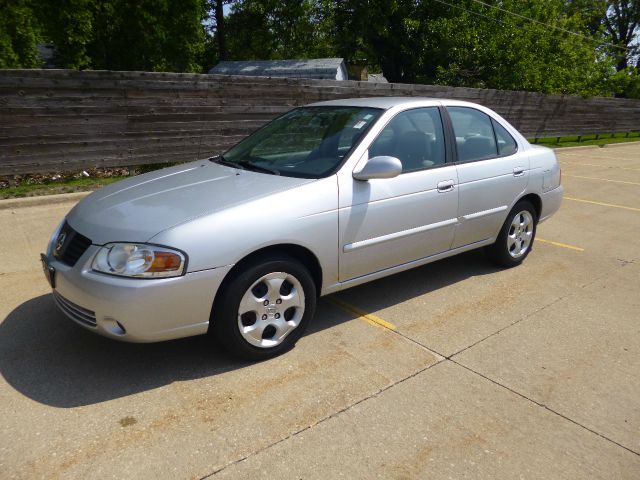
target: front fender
306 215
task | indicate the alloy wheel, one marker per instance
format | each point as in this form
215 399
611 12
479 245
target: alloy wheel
520 234
271 309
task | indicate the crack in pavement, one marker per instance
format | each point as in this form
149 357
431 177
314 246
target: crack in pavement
398 382
527 316
443 358
542 405
324 419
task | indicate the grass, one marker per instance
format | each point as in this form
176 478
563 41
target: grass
585 140
53 187
31 185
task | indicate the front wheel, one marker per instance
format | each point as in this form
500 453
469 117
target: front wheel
515 239
264 309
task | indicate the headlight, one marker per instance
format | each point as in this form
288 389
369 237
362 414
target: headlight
139 260
54 237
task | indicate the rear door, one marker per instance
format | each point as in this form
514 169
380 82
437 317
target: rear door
492 174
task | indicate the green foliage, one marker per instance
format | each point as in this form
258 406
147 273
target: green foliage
384 33
480 44
64 185
496 50
587 140
151 35
69 25
274 29
155 35
19 33
626 83
582 47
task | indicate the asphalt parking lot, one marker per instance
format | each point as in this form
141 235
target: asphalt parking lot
453 370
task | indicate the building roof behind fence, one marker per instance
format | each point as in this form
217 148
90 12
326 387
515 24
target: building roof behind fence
319 68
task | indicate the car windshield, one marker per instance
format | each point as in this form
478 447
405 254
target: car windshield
308 142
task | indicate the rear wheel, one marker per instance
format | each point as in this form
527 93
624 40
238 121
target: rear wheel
515 239
264 309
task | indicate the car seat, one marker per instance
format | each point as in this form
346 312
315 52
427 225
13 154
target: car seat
413 150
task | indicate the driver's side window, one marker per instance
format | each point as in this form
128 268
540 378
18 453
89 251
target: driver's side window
415 137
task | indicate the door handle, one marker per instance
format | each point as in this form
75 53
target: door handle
518 171
445 186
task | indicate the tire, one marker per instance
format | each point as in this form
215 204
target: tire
248 328
516 236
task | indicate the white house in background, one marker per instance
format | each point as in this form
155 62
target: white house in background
47 53
376 78
318 68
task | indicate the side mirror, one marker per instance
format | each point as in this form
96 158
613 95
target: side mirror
379 167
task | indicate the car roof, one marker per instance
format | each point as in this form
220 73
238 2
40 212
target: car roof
377 102
405 103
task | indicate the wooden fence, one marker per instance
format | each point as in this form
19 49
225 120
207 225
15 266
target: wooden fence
52 120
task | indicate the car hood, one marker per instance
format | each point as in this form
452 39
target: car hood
136 209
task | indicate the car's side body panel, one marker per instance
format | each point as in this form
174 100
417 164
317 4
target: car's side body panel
487 189
395 221
306 216
545 180
388 222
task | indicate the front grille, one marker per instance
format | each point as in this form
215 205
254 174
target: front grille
76 312
70 245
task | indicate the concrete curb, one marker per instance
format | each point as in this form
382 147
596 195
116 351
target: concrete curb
621 144
579 147
583 147
42 200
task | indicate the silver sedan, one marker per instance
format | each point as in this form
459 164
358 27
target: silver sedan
325 197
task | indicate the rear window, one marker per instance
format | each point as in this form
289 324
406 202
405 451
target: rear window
506 143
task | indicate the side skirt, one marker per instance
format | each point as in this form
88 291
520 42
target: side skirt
405 266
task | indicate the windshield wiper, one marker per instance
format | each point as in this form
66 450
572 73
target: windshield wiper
259 168
219 159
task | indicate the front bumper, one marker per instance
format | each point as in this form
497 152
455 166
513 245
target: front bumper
132 309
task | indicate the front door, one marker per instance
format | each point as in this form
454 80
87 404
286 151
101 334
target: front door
388 222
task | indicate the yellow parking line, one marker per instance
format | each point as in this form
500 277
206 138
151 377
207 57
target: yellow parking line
601 179
633 209
558 244
362 315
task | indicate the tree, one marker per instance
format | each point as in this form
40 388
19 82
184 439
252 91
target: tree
19 34
477 43
545 47
153 35
223 53
622 21
273 29
215 40
68 24
584 47
384 33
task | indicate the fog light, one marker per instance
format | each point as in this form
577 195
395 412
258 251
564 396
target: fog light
113 326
